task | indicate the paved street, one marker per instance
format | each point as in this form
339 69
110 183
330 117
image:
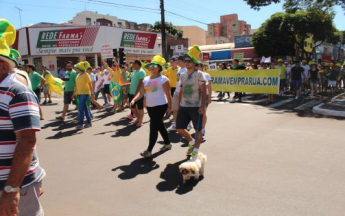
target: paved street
278 160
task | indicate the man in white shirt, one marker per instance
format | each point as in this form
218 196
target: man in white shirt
175 99
106 82
305 84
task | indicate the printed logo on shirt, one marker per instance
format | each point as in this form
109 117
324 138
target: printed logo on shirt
188 91
151 86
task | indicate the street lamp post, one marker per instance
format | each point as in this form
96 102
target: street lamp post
20 16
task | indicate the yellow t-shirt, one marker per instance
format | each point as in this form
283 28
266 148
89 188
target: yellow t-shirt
172 76
83 81
114 75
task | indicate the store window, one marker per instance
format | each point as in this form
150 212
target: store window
88 21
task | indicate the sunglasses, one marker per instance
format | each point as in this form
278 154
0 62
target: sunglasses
154 66
188 61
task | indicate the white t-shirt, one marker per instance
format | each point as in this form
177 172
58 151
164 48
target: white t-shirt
92 76
306 70
155 95
99 79
191 88
179 72
106 77
208 79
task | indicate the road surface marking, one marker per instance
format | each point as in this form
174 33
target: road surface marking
280 103
308 105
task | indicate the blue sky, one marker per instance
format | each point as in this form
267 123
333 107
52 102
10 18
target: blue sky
205 11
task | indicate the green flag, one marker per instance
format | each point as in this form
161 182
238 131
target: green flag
116 92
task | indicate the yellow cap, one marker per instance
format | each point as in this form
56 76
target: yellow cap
7 38
280 60
194 53
157 60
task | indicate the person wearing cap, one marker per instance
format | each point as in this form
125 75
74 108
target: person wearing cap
296 77
333 76
136 84
45 89
171 73
21 175
158 101
282 73
314 78
37 82
192 101
83 92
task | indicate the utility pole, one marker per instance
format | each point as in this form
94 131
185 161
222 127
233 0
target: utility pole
20 16
164 42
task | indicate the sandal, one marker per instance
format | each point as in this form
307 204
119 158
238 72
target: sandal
60 118
166 148
146 154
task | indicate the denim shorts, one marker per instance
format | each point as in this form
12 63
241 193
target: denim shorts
296 84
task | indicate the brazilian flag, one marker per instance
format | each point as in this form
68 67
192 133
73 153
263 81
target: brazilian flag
116 92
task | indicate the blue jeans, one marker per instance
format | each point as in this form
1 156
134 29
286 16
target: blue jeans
103 95
83 109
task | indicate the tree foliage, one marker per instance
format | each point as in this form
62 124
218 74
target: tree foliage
278 35
294 5
169 29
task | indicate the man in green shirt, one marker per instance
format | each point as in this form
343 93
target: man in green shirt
136 84
282 72
45 88
68 96
37 82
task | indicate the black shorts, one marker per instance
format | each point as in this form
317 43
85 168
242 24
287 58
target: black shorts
106 89
172 90
139 103
67 97
38 94
187 114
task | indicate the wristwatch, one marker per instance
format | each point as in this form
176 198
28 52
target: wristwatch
10 189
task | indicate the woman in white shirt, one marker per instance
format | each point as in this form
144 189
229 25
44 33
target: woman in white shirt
158 102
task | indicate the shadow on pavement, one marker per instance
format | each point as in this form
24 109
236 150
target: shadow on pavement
120 122
63 134
126 131
173 180
139 166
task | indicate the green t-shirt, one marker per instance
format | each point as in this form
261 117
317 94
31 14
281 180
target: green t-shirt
69 85
137 75
282 71
35 79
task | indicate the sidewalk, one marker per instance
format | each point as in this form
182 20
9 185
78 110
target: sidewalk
334 108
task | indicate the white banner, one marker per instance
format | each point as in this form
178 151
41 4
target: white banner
106 51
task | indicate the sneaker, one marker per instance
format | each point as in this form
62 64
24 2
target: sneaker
189 127
172 128
166 147
146 154
87 125
130 117
79 127
190 148
44 103
50 102
194 156
296 97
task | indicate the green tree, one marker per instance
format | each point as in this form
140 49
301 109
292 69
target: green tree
292 29
291 5
169 29
271 38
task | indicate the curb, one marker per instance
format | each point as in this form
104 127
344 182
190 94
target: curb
318 110
334 99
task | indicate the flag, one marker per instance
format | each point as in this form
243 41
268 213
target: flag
55 84
116 92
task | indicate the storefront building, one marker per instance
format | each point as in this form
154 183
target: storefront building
54 46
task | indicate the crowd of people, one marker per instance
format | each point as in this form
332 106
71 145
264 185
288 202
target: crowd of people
307 78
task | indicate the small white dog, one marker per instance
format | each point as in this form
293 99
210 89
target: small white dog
193 168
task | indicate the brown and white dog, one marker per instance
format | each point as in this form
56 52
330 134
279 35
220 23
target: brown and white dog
193 169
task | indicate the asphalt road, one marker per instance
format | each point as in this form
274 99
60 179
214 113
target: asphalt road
261 161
